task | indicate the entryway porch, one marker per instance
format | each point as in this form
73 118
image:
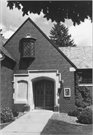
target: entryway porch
38 89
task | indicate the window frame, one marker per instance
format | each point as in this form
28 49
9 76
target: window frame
18 100
85 77
31 40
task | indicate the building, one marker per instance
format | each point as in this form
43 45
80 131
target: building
35 72
82 57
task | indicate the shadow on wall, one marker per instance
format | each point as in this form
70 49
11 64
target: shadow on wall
25 63
8 63
19 107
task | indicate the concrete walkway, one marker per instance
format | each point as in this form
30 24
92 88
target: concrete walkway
31 123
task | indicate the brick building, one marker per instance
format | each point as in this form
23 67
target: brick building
35 72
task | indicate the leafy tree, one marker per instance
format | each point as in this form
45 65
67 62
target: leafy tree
57 11
60 36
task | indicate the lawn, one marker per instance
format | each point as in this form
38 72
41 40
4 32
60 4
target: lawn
56 127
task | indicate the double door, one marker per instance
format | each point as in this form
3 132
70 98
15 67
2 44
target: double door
44 94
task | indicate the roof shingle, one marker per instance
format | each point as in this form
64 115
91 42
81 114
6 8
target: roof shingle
81 56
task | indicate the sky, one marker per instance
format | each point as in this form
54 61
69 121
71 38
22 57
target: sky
11 20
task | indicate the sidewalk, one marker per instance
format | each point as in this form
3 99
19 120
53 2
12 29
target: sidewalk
31 123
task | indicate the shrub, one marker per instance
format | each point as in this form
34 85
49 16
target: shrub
15 113
80 109
74 113
85 117
82 93
6 115
80 103
27 108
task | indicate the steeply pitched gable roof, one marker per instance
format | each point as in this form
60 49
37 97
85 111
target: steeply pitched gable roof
3 49
45 37
6 53
81 56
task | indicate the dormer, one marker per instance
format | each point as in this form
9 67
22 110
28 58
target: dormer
27 47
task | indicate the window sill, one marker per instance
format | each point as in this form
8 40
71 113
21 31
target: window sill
25 57
85 84
20 101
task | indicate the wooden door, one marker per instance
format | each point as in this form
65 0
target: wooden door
39 94
44 94
49 95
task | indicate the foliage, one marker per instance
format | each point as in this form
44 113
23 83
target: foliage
74 113
85 117
57 11
6 115
81 103
82 94
15 112
27 107
60 36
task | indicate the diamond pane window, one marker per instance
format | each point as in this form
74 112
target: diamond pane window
28 48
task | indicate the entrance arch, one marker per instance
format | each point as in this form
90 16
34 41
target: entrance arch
43 90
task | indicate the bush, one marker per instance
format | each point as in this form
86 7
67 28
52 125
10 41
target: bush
26 108
82 104
6 115
15 113
82 93
74 113
80 109
85 117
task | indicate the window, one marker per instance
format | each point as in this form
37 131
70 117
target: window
21 93
28 48
22 90
85 76
67 92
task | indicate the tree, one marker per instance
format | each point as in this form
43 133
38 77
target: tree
60 36
57 11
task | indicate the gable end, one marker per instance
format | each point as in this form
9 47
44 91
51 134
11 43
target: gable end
45 37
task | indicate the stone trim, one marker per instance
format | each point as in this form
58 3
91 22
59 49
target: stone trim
85 84
72 69
34 75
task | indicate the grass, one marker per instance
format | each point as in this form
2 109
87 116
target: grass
55 127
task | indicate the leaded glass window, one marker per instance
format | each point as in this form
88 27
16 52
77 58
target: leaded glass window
28 48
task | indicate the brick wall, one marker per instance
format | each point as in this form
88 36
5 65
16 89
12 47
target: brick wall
46 57
6 84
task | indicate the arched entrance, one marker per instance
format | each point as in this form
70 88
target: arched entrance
44 94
